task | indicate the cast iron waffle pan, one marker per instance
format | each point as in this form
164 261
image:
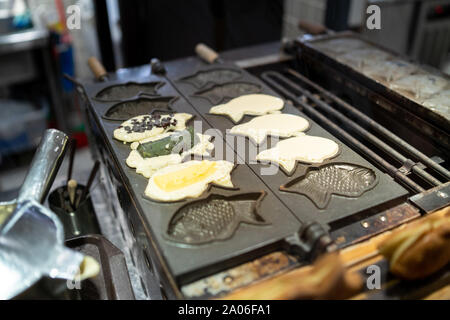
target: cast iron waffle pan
384 194
315 55
183 260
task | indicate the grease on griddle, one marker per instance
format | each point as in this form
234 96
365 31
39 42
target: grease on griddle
129 109
220 93
215 218
318 184
215 76
128 90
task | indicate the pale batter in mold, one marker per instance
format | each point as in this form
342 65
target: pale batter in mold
308 149
250 104
188 180
280 125
148 166
147 126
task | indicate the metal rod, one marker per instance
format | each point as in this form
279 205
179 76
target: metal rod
73 147
382 130
390 168
89 183
366 134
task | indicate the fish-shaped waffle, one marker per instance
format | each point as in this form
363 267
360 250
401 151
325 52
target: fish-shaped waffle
214 76
167 149
128 90
222 92
303 148
340 179
214 218
150 125
250 104
188 180
133 108
280 125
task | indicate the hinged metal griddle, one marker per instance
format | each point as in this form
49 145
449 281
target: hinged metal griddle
150 219
287 213
387 193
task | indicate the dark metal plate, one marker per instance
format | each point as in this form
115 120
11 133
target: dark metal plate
215 217
385 194
432 199
342 179
151 219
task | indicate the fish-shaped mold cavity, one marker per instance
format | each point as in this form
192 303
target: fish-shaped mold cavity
132 108
215 217
222 92
213 76
128 90
318 184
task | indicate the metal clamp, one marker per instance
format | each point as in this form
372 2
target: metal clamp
310 242
407 167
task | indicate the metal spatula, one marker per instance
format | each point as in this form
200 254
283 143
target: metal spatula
31 236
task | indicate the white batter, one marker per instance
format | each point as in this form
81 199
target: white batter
250 104
148 166
309 149
280 125
122 134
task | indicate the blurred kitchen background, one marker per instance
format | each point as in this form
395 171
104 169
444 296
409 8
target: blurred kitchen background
37 49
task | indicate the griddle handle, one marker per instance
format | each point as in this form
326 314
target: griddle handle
97 69
45 165
206 53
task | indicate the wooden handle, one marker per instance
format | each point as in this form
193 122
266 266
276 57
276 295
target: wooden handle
312 28
206 53
72 187
97 68
421 248
328 278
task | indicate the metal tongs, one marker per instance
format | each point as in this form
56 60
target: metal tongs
32 237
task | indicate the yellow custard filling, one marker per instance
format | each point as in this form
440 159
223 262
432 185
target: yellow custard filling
185 177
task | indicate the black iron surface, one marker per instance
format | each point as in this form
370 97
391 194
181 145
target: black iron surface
386 193
178 264
151 219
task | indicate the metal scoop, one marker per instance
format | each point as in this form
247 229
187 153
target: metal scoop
31 236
